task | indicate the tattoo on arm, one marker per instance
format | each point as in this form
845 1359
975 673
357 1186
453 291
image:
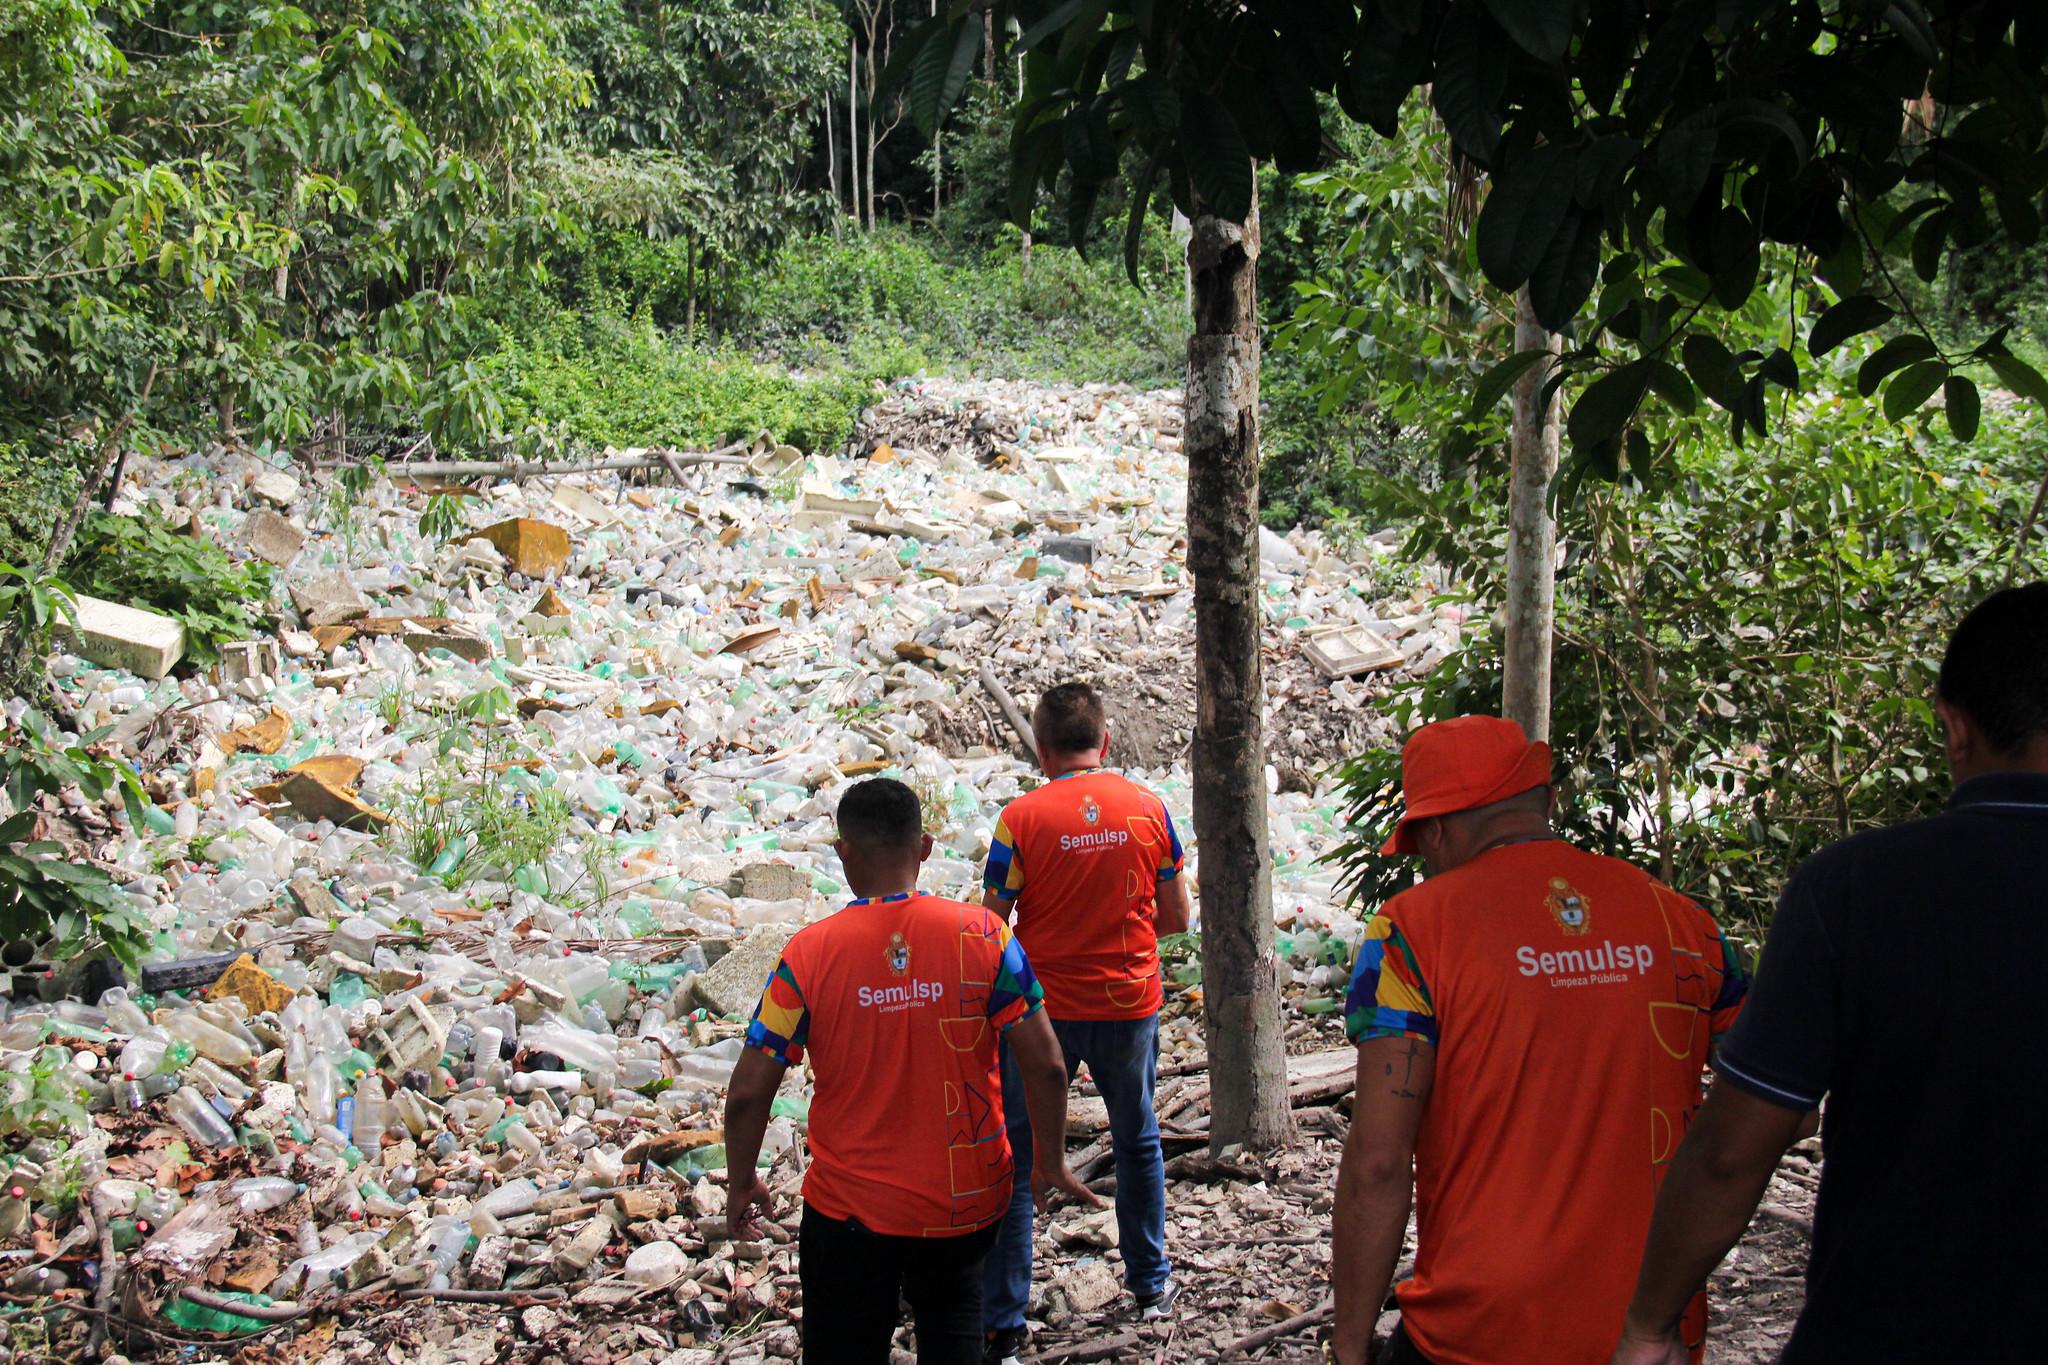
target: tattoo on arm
1399 1089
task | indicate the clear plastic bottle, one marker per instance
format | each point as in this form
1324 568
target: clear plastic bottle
123 1014
200 1120
259 1194
158 1207
144 1053
209 1040
128 1096
372 1116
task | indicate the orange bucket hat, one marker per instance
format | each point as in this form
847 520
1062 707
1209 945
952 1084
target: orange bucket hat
1461 764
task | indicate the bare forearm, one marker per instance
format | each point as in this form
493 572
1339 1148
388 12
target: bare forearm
1370 1227
746 1121
1722 1169
1045 1099
1170 913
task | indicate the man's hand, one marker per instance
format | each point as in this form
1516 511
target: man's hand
1646 1348
747 1202
1063 1179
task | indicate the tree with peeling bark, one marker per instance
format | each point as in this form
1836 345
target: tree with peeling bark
1647 148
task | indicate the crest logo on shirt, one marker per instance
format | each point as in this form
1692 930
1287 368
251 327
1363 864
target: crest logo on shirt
897 955
1572 910
1091 812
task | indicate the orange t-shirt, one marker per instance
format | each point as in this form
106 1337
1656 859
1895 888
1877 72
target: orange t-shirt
899 1002
1083 857
1571 999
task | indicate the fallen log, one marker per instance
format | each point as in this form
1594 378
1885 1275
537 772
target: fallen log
1007 704
535 469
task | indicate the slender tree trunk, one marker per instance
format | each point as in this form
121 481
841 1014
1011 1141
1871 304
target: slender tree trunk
1240 971
1532 536
853 127
872 139
988 47
832 167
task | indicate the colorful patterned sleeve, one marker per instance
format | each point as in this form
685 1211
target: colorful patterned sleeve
1016 993
1005 874
1388 997
782 1021
1169 868
1734 990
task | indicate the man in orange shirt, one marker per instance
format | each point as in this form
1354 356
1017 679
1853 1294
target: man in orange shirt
1091 865
1532 1022
900 999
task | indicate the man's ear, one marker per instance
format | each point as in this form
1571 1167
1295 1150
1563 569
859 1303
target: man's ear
1958 732
839 847
924 847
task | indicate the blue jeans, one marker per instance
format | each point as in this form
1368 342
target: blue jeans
1123 1059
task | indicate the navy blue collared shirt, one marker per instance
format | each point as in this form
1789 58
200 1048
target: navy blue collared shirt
1906 980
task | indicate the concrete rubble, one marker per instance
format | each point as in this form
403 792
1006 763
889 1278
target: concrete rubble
463 880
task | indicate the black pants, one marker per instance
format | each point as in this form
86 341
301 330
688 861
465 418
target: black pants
852 1278
1398 1350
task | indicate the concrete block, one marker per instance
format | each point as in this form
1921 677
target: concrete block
734 983
1073 549
535 549
774 882
820 497
271 538
275 487
145 643
329 600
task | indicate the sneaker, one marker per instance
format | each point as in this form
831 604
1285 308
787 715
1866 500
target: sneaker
1005 1344
1158 1304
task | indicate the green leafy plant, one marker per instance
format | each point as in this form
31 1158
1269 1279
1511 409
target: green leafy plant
46 1099
41 890
141 560
31 604
443 518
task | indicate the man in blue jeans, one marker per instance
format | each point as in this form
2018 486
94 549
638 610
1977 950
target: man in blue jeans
1090 863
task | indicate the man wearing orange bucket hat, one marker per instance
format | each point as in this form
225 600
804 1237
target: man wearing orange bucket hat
1532 1022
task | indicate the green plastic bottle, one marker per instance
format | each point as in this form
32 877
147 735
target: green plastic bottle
188 1314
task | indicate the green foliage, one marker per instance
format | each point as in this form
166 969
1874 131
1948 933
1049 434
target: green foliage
442 518
41 892
141 560
31 605
700 121
1746 646
46 1099
1658 153
35 494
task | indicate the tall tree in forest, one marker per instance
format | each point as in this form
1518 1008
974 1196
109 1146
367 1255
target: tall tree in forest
1644 147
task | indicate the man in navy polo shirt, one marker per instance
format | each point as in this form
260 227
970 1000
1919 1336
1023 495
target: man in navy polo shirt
1903 980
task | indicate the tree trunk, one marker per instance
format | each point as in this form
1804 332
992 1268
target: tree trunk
853 128
832 166
1532 536
1240 973
872 139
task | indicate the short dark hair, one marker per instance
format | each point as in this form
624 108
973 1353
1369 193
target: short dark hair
881 814
1068 719
1996 668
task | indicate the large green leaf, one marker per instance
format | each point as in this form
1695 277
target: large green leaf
1653 77
1913 386
1607 404
1564 278
1713 369
1669 383
2022 378
1542 28
1386 63
1522 214
1055 19
1895 354
1495 383
1472 62
1219 165
1963 406
943 65
1851 317
1141 203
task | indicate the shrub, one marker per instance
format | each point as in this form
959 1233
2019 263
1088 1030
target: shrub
141 560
